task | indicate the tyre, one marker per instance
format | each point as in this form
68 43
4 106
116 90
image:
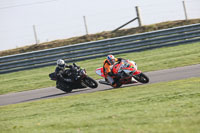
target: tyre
90 82
142 78
63 86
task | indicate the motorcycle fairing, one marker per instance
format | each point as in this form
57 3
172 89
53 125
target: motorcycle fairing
126 66
137 72
99 71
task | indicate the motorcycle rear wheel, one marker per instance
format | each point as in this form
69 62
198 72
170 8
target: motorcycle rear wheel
142 78
63 86
90 82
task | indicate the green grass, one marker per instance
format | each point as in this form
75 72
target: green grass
163 107
157 59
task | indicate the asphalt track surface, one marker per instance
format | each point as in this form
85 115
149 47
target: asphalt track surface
52 92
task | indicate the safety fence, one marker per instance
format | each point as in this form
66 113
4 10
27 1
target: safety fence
95 49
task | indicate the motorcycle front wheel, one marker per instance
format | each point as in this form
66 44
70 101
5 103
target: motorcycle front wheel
142 78
90 82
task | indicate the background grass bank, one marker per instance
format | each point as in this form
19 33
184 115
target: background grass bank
163 107
99 36
157 59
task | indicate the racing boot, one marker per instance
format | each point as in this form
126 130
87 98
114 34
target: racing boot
116 84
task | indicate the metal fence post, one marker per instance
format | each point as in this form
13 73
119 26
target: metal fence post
138 16
35 34
86 29
186 18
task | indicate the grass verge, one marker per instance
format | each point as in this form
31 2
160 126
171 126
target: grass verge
163 107
157 59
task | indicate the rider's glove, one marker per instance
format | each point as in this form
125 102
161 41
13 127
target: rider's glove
76 65
119 60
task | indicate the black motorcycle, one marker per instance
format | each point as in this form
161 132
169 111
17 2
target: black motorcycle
79 79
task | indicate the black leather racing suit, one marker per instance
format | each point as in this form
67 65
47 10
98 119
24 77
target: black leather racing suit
59 73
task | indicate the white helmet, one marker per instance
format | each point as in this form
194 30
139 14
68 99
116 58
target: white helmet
111 59
61 63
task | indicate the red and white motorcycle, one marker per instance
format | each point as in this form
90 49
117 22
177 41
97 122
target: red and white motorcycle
128 73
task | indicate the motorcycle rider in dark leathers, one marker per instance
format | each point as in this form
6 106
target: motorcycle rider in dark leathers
60 69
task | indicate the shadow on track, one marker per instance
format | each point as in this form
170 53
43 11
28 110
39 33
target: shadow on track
56 95
123 86
44 97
